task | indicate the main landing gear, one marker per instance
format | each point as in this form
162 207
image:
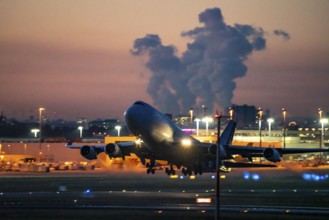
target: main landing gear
170 171
150 167
186 171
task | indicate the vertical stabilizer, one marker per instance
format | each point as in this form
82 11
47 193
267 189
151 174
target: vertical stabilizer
227 135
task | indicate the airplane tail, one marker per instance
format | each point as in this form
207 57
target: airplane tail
227 136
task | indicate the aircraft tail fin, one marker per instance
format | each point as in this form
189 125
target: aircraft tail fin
227 136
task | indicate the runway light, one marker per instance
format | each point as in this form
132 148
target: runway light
203 200
314 177
255 177
192 177
246 175
173 176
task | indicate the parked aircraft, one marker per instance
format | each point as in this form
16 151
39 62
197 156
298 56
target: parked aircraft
159 138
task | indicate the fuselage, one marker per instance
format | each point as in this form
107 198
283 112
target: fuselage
159 133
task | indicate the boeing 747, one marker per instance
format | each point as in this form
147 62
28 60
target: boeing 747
159 138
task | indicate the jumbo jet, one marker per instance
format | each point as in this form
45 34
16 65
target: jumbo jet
159 138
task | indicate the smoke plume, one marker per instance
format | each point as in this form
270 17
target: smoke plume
205 74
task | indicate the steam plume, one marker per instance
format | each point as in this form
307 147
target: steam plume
205 74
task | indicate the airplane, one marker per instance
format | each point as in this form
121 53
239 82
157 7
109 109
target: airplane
159 138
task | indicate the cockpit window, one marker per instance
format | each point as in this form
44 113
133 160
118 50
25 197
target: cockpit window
139 103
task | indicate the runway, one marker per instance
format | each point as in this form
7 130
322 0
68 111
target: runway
139 196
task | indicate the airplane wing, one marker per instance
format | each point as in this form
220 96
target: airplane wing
271 154
112 149
240 164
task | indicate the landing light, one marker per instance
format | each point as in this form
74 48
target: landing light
203 200
138 142
186 142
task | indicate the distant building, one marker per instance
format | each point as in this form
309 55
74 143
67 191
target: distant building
3 119
245 116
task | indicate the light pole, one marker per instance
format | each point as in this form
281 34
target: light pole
118 127
269 121
197 120
35 131
230 113
322 121
191 119
204 110
40 125
207 120
320 118
80 129
260 114
320 113
284 114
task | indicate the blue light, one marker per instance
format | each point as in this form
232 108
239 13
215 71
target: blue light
314 177
213 177
255 177
246 175
181 177
306 176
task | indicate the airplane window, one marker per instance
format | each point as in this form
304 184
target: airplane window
139 103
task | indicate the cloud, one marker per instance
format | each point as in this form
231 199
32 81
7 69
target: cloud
282 34
205 73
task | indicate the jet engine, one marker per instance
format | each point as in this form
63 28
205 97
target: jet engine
88 152
272 155
113 150
213 150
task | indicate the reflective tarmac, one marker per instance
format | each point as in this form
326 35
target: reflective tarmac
86 195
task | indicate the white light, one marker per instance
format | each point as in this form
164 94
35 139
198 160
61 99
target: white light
186 142
203 200
35 131
138 142
324 121
118 127
80 129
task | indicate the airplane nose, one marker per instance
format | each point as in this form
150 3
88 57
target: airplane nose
131 119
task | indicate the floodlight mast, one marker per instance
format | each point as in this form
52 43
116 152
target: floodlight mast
219 117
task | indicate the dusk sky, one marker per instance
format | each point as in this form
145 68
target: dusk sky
81 58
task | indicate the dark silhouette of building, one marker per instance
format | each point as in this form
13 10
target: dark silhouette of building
245 116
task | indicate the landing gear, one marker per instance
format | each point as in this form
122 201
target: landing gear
170 171
186 171
150 167
197 169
